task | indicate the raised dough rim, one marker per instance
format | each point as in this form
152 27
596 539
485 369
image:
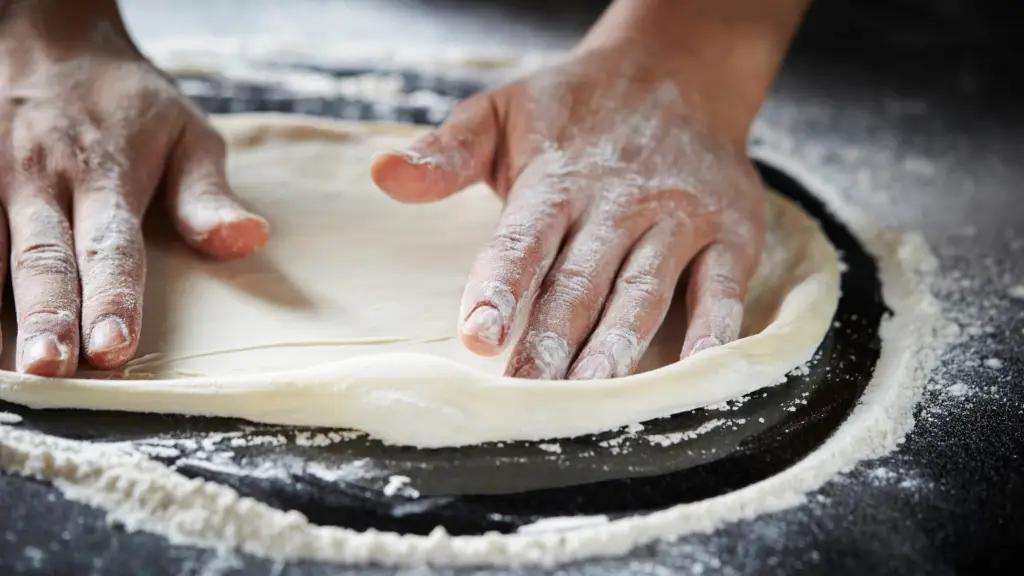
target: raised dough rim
792 336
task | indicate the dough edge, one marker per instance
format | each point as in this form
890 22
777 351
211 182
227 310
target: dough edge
429 402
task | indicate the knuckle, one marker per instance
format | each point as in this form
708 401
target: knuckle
46 259
44 315
119 297
95 159
110 254
572 284
725 283
114 243
559 203
643 285
32 159
514 242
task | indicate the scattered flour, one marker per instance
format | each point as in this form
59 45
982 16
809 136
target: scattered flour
958 389
355 471
879 475
628 434
617 441
400 485
677 437
8 418
553 448
243 441
35 556
890 476
1016 291
395 483
993 363
320 439
158 451
737 403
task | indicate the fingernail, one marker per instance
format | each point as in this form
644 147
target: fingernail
593 367
485 324
107 335
40 353
705 343
237 235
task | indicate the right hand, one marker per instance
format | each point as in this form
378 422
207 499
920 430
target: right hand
617 172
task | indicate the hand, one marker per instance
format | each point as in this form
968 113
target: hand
89 130
617 172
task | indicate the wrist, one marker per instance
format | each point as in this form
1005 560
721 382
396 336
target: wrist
726 54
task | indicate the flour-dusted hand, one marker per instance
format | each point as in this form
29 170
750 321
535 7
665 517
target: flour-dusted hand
620 167
88 132
614 182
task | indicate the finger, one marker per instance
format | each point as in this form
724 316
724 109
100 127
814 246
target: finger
202 206
714 297
570 301
445 160
507 273
639 300
45 279
112 266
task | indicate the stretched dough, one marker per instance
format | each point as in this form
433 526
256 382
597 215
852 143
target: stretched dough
348 318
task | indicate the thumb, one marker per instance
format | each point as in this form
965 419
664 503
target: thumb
444 161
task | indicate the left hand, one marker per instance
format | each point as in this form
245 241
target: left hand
89 130
616 174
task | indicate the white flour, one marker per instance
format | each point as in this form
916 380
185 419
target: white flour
8 418
319 439
142 494
677 437
398 484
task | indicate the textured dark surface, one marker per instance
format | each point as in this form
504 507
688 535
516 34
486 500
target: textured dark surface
917 125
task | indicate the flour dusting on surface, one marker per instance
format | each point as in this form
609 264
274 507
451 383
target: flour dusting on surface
677 437
398 484
551 447
9 418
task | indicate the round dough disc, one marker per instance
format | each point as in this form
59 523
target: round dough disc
348 317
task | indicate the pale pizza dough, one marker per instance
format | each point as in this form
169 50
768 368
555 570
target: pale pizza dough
348 318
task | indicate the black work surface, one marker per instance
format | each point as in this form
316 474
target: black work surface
916 127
